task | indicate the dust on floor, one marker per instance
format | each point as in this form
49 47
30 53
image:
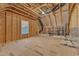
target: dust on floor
37 46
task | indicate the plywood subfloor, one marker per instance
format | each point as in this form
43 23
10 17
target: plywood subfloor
36 46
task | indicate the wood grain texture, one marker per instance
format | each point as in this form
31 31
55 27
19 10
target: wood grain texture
2 27
8 26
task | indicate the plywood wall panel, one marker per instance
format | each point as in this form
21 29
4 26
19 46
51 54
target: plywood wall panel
33 29
78 13
30 29
65 7
14 27
37 27
73 22
2 27
29 20
8 26
18 26
53 19
29 35
58 19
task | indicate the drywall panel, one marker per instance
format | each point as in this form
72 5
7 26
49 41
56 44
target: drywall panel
2 27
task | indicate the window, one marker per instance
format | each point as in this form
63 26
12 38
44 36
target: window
24 27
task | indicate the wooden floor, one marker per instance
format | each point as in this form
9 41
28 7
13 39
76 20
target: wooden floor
38 46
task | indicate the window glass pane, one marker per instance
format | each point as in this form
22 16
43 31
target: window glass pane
24 27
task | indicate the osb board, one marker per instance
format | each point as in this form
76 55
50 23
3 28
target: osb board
8 26
2 27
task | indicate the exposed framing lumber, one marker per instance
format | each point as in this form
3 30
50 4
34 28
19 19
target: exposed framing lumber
42 26
77 13
29 5
55 18
40 7
2 29
61 15
22 14
70 14
22 9
14 9
50 20
5 28
30 10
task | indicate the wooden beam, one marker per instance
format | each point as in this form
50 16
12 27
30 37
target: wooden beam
55 18
50 20
30 10
70 14
22 9
22 14
54 15
61 16
40 7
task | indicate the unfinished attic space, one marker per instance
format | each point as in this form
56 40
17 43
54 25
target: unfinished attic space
41 29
